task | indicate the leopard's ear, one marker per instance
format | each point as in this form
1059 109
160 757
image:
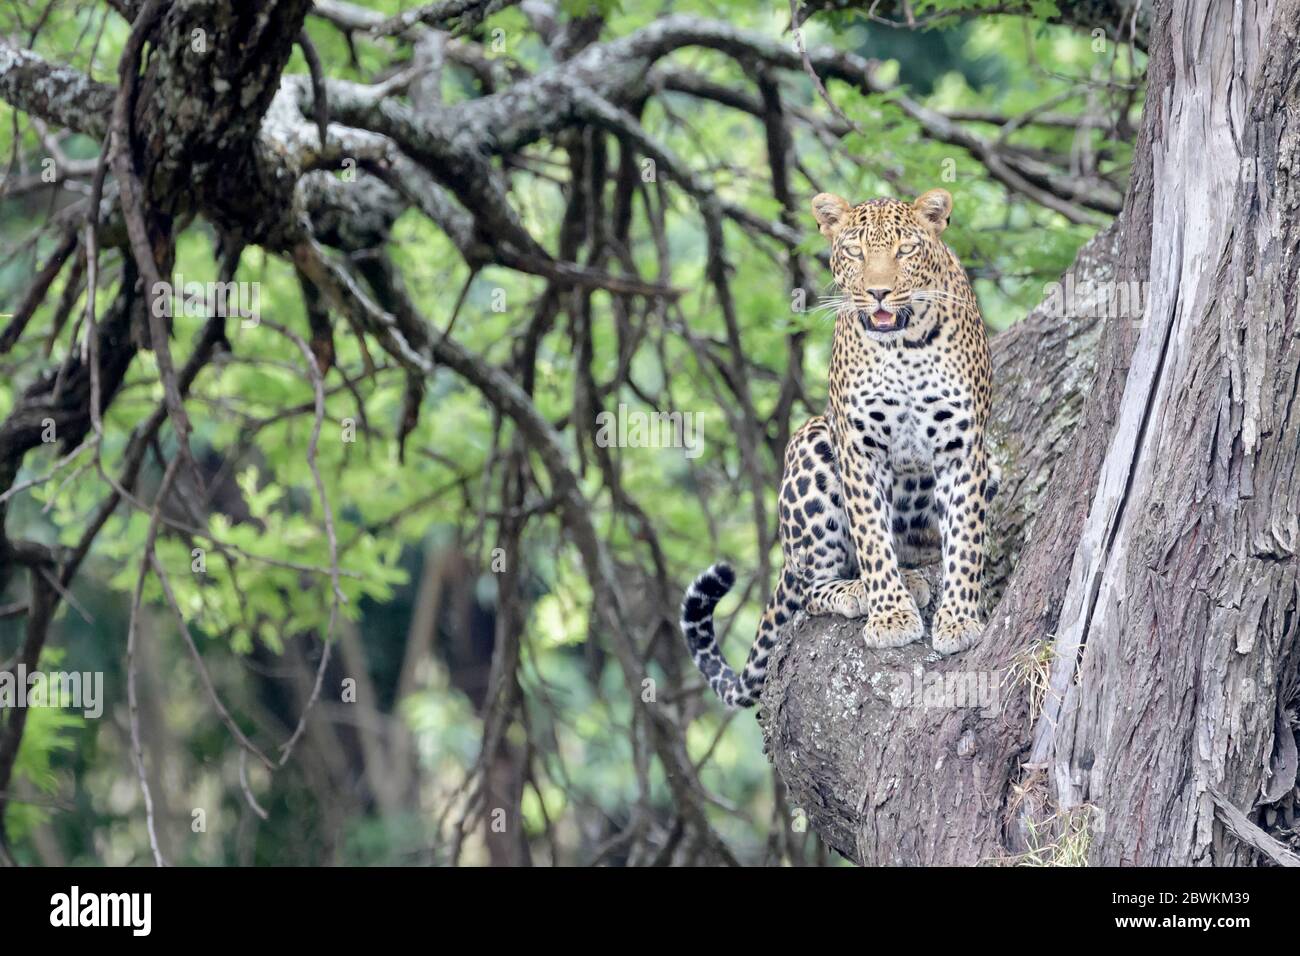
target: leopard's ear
830 211
933 209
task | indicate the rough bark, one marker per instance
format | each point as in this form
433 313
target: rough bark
1157 537
1184 613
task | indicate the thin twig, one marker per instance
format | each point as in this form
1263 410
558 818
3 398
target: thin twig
318 386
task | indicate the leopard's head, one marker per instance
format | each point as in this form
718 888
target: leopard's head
888 259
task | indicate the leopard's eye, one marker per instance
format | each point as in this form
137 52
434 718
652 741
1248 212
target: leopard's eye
906 249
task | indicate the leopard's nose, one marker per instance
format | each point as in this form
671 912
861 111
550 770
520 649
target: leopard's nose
880 293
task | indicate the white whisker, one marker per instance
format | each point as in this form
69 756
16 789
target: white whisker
829 303
934 295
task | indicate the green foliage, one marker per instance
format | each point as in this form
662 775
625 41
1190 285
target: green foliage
50 734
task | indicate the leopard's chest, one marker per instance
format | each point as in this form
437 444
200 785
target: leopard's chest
903 408
911 449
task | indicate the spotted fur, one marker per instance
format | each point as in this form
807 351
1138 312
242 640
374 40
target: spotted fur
895 474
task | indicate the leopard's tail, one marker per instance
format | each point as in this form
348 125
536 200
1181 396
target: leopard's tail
734 690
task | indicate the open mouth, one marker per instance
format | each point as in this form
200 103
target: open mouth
882 320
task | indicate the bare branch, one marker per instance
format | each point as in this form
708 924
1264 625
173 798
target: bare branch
58 94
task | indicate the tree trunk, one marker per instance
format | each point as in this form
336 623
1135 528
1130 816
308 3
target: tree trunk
1138 679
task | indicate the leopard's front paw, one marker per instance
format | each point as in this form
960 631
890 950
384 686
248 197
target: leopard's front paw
954 631
893 628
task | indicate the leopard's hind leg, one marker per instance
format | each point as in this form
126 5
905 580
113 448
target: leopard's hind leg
815 537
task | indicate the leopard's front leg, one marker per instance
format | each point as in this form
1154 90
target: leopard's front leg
962 493
892 617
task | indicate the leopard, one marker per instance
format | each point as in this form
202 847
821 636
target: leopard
895 475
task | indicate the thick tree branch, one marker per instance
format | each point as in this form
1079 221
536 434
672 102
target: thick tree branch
57 94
